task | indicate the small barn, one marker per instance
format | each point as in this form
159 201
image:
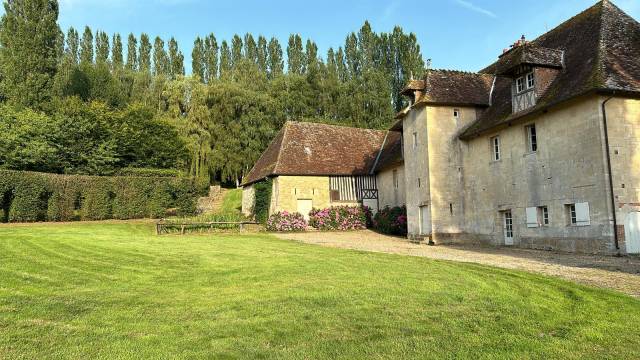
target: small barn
315 165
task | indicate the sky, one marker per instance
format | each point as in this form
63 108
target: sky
455 34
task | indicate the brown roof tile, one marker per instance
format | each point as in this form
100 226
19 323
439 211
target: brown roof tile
601 49
456 88
391 153
304 148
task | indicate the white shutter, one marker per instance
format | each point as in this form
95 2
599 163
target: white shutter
582 214
532 217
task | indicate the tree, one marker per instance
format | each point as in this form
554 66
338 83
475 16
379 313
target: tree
198 65
86 47
73 45
132 50
176 59
226 63
295 55
102 47
236 50
211 57
311 58
144 62
261 54
275 64
116 52
29 35
160 58
250 48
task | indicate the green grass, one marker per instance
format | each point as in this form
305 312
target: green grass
114 290
232 202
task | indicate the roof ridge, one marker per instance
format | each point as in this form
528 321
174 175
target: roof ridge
458 71
304 123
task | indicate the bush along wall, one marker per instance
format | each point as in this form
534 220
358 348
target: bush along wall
30 196
391 221
339 218
263 200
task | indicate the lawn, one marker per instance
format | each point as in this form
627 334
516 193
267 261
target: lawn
115 290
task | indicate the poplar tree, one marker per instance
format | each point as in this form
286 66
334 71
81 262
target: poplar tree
86 47
160 58
176 59
102 47
262 53
144 56
236 50
116 51
197 59
311 58
73 45
295 55
29 34
211 57
250 48
275 62
225 61
132 53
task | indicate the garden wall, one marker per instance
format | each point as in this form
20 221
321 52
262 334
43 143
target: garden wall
31 196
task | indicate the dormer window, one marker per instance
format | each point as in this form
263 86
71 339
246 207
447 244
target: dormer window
525 83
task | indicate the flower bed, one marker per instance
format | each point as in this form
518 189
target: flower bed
286 222
391 221
340 218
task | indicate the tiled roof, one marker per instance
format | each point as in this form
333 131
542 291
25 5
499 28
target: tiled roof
601 49
529 54
456 88
391 153
413 85
304 148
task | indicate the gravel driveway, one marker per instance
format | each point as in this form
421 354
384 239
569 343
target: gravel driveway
618 273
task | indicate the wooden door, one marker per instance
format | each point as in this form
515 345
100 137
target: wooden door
632 232
507 225
304 207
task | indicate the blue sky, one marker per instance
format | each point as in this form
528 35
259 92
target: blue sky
455 34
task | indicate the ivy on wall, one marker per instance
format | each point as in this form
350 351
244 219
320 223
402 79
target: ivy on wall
263 199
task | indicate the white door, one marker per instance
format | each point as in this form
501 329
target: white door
371 204
425 220
632 232
507 224
304 207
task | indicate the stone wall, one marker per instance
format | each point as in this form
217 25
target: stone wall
288 189
623 118
248 200
388 195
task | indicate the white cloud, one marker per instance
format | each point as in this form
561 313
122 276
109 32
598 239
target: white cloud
472 7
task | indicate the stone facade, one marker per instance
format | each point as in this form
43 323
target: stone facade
388 193
287 190
248 200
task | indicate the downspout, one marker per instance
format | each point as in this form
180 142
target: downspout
608 155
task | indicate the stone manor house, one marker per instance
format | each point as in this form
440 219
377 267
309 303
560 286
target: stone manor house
540 149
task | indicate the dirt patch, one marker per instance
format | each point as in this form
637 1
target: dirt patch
618 273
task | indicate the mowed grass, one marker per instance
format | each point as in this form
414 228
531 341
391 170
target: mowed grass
102 290
231 202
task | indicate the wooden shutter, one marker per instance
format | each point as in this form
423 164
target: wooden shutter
532 217
582 214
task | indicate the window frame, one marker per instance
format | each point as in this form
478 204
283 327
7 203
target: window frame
532 138
456 114
395 179
530 81
520 85
544 215
572 214
496 146
415 139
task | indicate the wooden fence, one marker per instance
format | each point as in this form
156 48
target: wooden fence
164 227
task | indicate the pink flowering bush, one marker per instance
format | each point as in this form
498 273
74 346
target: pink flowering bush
340 218
286 222
391 221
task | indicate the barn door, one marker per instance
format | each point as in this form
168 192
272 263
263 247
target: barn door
632 232
304 207
425 220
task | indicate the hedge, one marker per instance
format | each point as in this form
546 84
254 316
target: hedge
30 196
391 220
263 199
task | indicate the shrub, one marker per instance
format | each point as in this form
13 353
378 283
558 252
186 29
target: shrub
263 199
339 218
31 196
391 221
286 222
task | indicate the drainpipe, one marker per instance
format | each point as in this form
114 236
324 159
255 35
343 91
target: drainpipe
608 154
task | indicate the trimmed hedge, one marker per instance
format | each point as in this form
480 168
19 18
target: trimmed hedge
30 196
263 199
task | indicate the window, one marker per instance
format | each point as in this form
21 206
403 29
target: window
415 140
395 179
419 182
537 216
578 214
519 84
543 213
530 81
532 138
456 114
495 147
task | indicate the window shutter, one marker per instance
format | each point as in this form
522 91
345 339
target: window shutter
532 217
582 214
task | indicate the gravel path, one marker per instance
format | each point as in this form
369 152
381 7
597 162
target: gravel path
618 273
